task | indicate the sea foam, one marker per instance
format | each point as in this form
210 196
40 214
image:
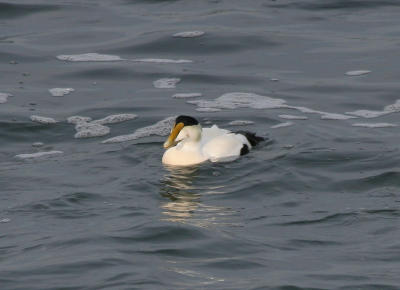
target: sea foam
292 117
43 120
86 128
161 128
4 97
280 125
357 72
38 154
187 95
374 125
78 119
208 110
250 100
240 123
241 100
166 83
59 92
189 34
393 108
89 130
89 57
112 119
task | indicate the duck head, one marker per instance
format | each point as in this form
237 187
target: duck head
185 128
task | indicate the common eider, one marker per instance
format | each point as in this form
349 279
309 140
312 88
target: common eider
190 144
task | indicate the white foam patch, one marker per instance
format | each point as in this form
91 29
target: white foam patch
374 125
208 110
162 60
89 57
280 125
4 97
393 108
38 154
189 34
161 128
250 100
112 119
86 128
241 100
324 115
240 123
357 72
43 120
187 95
90 130
59 92
78 119
292 117
37 144
334 116
166 83
5 220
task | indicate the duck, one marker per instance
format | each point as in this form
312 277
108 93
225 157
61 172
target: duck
190 144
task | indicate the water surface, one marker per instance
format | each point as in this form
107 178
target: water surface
314 207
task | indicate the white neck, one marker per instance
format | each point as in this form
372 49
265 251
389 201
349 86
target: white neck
190 135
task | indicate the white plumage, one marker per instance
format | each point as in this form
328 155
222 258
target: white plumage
194 144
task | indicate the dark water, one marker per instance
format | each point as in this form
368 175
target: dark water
316 207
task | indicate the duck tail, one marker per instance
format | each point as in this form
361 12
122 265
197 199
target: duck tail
251 137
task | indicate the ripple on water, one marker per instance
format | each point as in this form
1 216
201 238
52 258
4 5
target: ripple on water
333 219
215 44
67 206
333 5
11 10
161 60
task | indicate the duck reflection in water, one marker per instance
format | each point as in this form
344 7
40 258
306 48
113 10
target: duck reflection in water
184 187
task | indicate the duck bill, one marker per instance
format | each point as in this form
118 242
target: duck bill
174 133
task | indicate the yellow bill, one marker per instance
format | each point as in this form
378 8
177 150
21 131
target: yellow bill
174 133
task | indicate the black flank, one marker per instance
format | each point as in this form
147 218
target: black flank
244 150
